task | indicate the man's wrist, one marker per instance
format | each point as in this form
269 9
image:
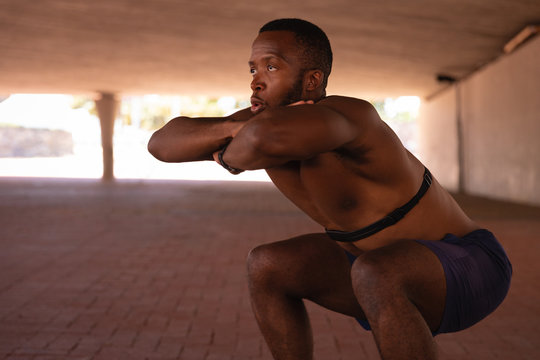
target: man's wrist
226 166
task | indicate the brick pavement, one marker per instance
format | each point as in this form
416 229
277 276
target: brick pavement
155 270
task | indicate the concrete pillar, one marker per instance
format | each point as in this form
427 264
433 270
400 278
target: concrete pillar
107 107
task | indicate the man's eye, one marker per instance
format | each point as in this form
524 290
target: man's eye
252 71
271 68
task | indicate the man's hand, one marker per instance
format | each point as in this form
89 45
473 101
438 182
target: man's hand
302 102
215 156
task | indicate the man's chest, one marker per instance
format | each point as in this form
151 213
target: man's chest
322 189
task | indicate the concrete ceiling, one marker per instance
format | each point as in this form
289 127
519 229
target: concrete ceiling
381 48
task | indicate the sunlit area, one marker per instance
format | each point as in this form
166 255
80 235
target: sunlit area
59 135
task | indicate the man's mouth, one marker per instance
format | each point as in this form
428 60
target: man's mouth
257 105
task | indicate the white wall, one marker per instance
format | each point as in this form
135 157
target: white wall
438 138
500 109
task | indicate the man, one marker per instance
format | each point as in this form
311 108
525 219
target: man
398 253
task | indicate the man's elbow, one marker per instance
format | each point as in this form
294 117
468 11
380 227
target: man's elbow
156 148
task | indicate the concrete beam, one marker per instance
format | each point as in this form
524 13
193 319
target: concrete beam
107 107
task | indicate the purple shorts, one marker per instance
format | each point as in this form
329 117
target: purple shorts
477 274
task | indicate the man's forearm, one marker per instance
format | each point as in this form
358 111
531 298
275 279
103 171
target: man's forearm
279 135
192 139
247 151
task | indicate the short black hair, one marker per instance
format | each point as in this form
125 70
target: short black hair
317 53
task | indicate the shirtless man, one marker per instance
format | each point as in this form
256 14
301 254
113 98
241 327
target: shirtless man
398 253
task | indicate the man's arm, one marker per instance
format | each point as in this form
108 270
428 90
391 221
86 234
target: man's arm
279 135
185 139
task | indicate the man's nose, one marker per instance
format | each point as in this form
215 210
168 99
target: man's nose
257 84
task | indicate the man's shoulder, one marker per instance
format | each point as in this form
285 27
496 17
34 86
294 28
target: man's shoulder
340 99
353 108
345 101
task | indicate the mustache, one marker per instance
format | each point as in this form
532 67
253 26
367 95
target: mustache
256 99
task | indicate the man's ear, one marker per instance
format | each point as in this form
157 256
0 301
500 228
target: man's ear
313 79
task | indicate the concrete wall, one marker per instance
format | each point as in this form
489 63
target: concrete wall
500 111
438 138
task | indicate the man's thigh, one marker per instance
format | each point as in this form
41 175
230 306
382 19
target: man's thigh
409 267
313 267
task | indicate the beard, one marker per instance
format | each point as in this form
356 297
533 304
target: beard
295 92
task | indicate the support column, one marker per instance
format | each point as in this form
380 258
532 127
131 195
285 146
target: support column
107 106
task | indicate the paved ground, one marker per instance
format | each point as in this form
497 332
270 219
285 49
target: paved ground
155 270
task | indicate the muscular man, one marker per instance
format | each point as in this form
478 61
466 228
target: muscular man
397 252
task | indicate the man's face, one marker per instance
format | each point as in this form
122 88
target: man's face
275 65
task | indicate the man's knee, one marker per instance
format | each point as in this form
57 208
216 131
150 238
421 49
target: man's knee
276 266
261 263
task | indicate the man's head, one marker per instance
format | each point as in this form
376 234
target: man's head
291 61
313 43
